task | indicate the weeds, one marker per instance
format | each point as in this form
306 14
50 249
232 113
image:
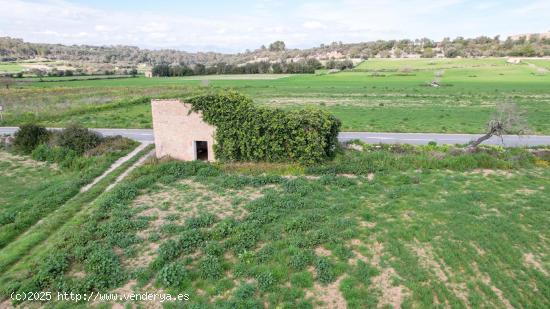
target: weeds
269 254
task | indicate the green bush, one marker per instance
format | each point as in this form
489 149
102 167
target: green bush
245 291
63 156
29 136
103 267
204 220
265 281
172 274
325 270
78 138
54 266
210 268
300 260
246 132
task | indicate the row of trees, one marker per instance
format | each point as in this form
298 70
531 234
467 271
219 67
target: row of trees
339 65
262 67
532 45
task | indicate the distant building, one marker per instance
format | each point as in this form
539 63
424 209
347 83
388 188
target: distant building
527 36
181 133
148 73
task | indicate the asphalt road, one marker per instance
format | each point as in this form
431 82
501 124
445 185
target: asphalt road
146 135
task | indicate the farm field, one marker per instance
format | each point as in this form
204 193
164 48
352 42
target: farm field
10 68
384 226
379 95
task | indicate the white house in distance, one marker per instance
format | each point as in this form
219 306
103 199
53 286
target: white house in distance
181 133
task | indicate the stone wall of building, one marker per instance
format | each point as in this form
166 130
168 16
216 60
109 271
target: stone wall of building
176 130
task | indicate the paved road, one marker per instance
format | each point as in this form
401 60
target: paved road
146 135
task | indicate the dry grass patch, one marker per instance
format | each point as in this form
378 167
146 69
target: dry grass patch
442 272
358 256
530 260
321 251
487 281
17 161
490 172
391 295
328 296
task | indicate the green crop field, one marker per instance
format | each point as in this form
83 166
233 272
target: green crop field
10 68
379 95
393 226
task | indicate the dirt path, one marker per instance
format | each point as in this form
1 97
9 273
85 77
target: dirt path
114 166
40 232
130 169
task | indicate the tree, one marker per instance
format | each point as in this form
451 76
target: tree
507 119
277 46
451 52
428 53
277 68
316 64
199 69
28 136
78 138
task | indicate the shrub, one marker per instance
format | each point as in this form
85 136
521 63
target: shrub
204 220
265 281
78 138
325 270
300 260
111 144
169 250
210 268
103 267
54 266
63 156
172 274
29 136
246 132
245 291
213 249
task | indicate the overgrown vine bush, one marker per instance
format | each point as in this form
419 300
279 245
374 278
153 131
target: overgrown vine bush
247 132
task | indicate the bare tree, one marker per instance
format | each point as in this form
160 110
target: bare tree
507 119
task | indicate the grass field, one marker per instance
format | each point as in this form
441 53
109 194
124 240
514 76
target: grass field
380 95
10 67
386 226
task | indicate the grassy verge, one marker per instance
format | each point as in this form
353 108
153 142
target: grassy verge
63 212
31 202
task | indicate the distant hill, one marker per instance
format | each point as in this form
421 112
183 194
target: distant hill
527 45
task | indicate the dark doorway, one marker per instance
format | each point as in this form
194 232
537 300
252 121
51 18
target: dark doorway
202 150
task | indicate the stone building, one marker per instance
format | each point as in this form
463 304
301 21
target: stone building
181 133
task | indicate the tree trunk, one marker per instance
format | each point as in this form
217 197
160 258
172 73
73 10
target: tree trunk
473 144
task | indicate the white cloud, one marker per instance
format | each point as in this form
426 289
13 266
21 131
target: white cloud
299 24
313 25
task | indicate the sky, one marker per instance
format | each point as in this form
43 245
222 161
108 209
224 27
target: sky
237 25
